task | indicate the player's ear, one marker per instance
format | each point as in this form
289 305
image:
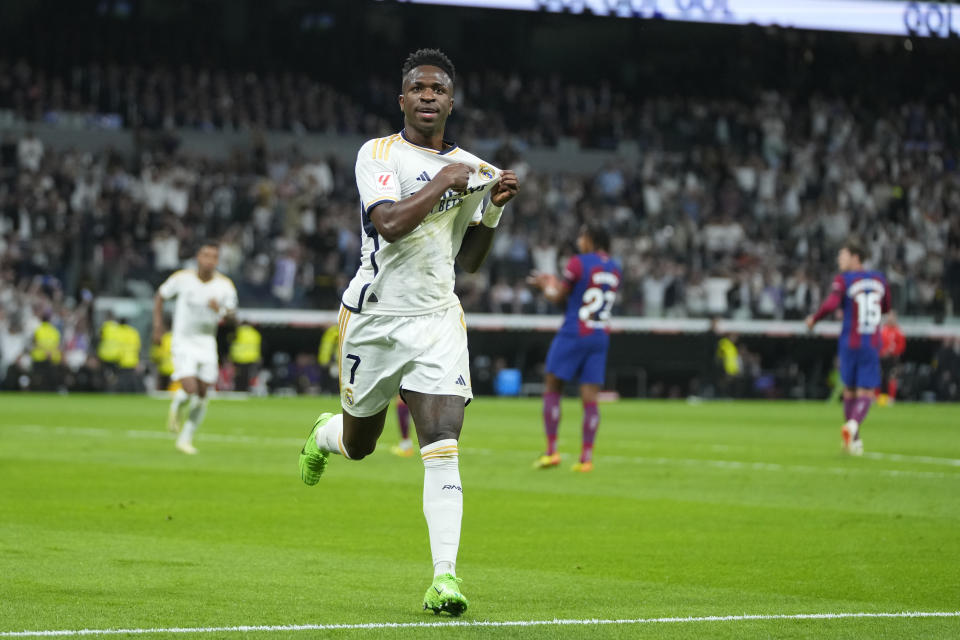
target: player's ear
400 101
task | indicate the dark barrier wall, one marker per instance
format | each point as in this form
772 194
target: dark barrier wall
656 364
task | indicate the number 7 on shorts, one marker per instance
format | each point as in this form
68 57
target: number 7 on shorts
353 369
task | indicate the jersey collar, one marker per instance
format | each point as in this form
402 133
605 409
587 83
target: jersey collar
452 146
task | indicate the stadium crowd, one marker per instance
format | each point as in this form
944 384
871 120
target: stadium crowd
742 223
729 208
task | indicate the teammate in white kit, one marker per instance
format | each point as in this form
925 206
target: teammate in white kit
401 325
204 298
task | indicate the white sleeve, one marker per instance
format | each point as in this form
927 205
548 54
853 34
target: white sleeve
377 179
230 297
171 286
492 178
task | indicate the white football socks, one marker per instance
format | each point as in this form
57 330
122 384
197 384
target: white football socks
179 398
442 502
198 410
329 437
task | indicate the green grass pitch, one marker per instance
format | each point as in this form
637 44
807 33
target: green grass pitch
693 510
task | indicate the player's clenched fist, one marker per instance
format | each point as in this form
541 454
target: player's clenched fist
505 189
456 175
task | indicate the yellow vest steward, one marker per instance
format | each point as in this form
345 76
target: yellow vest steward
727 351
246 345
129 340
109 348
46 341
162 355
328 342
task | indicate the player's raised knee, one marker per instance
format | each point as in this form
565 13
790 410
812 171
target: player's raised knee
358 450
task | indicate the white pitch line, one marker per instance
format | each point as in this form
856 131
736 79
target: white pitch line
556 622
156 434
774 466
899 457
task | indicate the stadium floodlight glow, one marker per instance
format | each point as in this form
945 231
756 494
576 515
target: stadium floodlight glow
925 19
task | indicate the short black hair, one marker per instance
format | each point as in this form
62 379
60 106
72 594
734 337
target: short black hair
598 234
208 243
855 247
432 57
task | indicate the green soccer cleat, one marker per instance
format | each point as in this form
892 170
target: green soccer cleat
547 461
313 461
444 595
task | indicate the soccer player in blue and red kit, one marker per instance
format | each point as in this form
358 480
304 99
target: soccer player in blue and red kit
589 286
865 297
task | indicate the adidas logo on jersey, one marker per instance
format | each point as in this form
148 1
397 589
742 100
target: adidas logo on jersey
461 381
423 177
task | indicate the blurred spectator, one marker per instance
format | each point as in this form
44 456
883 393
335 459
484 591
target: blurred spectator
89 377
161 355
128 374
245 355
892 345
306 374
14 342
731 367
46 354
30 152
946 365
109 350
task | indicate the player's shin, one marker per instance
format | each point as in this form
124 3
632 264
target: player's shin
859 412
551 419
180 396
178 405
195 416
848 405
591 422
442 502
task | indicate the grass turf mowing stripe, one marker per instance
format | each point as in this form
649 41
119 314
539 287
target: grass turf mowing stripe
696 462
484 623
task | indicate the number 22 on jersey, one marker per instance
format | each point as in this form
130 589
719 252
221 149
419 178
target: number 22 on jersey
596 306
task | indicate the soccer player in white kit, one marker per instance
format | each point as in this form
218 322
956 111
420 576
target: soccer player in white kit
204 298
401 325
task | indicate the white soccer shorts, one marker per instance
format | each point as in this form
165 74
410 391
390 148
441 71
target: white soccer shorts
195 360
380 355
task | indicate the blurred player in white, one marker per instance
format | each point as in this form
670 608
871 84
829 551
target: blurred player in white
204 297
401 324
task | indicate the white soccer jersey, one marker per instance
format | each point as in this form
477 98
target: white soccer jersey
194 322
415 274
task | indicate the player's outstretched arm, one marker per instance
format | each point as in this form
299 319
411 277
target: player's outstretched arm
830 304
554 289
478 239
157 318
393 220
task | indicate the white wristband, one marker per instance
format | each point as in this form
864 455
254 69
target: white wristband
491 215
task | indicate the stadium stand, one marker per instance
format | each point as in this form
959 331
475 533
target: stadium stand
725 202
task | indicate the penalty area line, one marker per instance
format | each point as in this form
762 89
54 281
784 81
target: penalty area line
484 623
